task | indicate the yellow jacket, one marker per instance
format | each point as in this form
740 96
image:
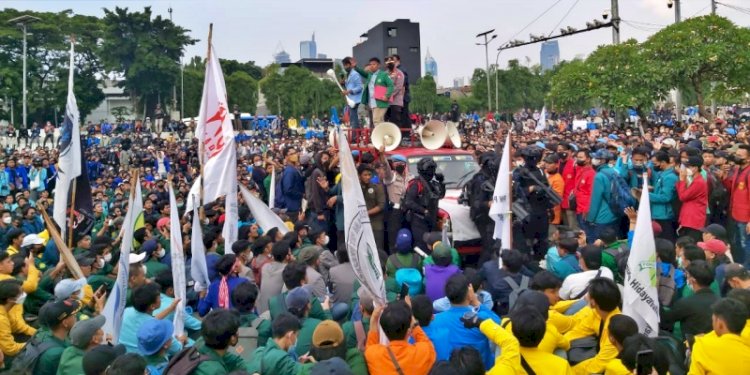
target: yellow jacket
32 280
8 344
545 363
15 315
719 355
588 325
615 367
12 250
509 361
552 338
563 323
746 332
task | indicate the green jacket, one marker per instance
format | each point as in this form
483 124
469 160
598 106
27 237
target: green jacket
354 359
272 360
381 79
316 310
34 301
216 365
264 328
154 267
97 281
71 362
350 334
664 193
609 261
49 360
304 337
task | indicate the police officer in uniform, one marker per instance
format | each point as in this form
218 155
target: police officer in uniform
480 190
420 204
529 185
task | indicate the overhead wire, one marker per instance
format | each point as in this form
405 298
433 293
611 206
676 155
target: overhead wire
532 22
563 18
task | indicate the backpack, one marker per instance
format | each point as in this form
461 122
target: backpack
620 197
516 289
26 361
412 277
397 263
666 287
185 362
718 196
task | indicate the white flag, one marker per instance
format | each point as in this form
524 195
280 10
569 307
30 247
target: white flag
198 266
640 299
501 204
69 161
219 155
272 188
360 241
541 125
194 196
115 305
178 264
263 215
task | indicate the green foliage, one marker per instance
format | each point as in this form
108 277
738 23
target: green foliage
569 86
242 90
519 87
424 95
296 91
229 67
120 113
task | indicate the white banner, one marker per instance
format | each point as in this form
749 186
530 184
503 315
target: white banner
541 125
231 220
115 305
360 241
69 161
640 298
263 215
272 188
178 264
194 196
500 210
198 266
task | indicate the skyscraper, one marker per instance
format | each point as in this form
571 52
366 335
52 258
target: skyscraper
281 56
430 65
308 49
549 55
400 37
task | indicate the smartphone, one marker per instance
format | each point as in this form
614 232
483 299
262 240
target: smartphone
404 291
644 362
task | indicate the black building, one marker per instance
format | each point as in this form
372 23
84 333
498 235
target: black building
400 37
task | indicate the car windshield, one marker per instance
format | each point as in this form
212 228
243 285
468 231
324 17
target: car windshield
457 169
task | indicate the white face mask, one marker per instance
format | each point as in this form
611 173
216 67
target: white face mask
143 267
21 298
519 163
325 240
161 253
205 222
108 257
596 162
258 163
689 172
100 263
7 220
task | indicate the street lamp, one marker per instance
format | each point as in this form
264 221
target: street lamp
21 22
487 41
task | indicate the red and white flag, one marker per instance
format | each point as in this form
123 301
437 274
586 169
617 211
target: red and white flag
218 154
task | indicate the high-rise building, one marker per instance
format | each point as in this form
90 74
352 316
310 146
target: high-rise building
430 65
281 56
400 37
308 49
549 55
458 82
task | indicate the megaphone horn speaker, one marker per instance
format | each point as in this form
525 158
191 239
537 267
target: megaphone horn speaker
386 134
433 134
453 135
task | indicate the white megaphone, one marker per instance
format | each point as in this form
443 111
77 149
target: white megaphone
386 134
331 73
433 134
453 136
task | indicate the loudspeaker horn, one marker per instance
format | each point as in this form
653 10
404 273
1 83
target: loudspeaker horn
386 134
453 136
433 134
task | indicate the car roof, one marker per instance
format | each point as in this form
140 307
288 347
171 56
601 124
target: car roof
419 151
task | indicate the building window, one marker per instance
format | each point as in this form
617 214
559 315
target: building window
392 32
392 51
414 49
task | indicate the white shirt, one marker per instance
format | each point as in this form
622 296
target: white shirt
574 284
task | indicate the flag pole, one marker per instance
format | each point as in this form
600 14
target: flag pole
201 144
510 189
72 212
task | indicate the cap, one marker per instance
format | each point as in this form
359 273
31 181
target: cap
713 139
299 226
613 136
32 239
715 246
55 312
298 298
309 253
403 240
430 238
736 270
331 366
441 251
399 158
96 360
83 331
717 230
135 258
149 247
153 335
163 222
366 299
602 154
328 334
66 287
669 142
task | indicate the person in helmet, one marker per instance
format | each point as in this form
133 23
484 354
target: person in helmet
480 189
420 204
529 183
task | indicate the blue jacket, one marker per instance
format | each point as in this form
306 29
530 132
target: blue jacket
211 301
354 84
460 336
562 267
4 183
440 340
664 193
599 210
34 226
292 188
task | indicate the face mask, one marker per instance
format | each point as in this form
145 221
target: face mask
390 66
519 163
400 168
581 163
657 168
562 155
258 163
348 69
638 167
325 240
161 253
6 220
143 267
180 205
108 257
596 162
679 262
100 263
628 134
205 221
689 172
19 300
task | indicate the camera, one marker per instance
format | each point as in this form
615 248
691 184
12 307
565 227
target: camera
670 4
605 15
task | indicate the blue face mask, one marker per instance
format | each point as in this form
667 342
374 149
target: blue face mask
292 351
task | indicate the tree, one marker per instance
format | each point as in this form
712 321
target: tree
145 50
569 86
519 87
701 50
242 90
296 91
231 66
423 95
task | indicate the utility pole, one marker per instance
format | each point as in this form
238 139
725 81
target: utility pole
678 94
22 22
713 6
487 41
497 81
174 87
615 22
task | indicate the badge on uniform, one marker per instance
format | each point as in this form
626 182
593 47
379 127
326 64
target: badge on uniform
370 191
741 186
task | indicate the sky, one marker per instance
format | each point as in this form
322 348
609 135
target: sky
254 29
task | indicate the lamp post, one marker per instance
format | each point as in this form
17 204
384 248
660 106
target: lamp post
22 22
497 80
487 41
677 93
